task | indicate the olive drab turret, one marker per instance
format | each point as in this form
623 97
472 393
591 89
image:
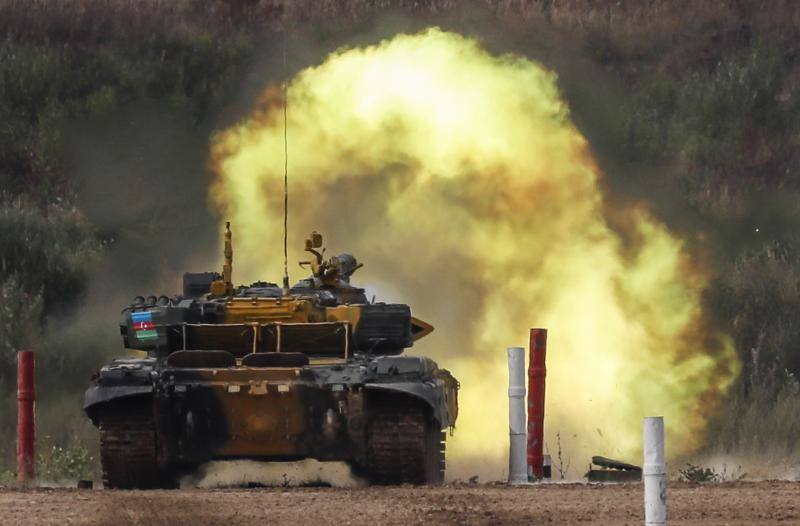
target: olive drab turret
265 373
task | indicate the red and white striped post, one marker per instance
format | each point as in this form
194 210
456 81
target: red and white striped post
26 426
536 377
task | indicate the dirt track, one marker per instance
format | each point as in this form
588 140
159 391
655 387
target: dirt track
733 503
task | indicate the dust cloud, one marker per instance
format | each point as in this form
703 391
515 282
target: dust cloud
241 473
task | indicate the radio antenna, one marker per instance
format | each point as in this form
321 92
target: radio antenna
285 171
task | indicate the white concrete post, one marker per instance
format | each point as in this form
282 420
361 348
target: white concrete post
517 455
655 472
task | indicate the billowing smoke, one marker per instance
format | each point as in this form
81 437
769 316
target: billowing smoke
459 180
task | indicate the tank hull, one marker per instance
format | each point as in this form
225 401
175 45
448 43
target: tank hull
369 412
268 414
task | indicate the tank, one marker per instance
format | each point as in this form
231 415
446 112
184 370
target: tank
272 373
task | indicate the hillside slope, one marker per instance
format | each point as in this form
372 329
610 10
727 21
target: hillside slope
706 107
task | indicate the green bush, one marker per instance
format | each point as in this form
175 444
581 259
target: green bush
738 99
61 464
44 255
760 296
714 119
20 322
760 418
649 122
45 251
57 464
42 84
692 473
8 478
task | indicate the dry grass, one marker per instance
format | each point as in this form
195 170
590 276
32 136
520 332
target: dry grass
632 28
636 25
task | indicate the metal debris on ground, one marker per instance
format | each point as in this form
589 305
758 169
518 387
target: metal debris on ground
613 471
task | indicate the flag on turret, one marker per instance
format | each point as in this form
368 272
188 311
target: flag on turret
143 325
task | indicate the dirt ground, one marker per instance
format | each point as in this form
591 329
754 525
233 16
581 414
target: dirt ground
718 504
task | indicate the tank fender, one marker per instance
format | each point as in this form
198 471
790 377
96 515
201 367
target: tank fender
391 365
99 394
430 392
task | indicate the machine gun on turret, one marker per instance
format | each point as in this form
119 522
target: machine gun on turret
334 272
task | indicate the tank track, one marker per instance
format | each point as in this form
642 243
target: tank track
128 448
404 447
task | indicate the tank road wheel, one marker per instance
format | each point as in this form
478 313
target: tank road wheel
404 447
128 447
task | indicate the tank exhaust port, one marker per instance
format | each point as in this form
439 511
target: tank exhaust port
338 422
331 425
334 420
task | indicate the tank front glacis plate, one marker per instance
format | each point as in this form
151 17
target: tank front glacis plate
276 413
248 413
315 411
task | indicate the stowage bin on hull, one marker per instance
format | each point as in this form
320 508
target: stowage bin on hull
264 372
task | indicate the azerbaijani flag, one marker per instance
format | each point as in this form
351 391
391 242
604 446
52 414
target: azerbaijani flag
143 325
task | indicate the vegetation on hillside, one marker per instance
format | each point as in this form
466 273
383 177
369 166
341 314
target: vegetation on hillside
714 93
711 92
64 61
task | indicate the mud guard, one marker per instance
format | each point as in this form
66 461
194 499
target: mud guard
98 395
430 394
